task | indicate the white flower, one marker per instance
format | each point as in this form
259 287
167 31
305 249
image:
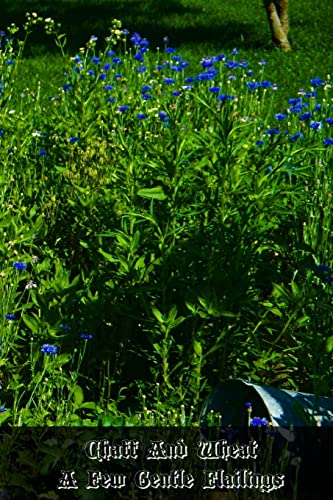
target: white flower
31 284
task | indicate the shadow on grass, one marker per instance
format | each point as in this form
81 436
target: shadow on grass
153 19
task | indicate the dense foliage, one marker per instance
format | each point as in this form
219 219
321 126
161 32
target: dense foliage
161 229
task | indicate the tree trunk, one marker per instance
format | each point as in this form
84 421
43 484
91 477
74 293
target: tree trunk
277 11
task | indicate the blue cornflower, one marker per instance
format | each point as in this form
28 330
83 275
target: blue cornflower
318 107
295 109
102 77
316 82
225 97
141 69
176 93
2 409
294 137
258 422
329 121
329 279
95 60
272 131
177 68
189 79
42 152
311 94
243 64
231 64
294 101
136 39
111 99
2 132
111 53
49 349
20 266
252 85
125 32
321 267
73 140
159 67
280 116
169 81
248 405
67 86
86 336
10 62
10 317
163 116
141 116
250 72
91 72
106 67
144 42
328 142
166 39
10 150
259 143
315 125
210 74
234 52
65 328
207 62
146 96
214 89
305 116
269 170
262 62
145 88
138 57
123 108
170 50
117 61
265 84
177 58
108 87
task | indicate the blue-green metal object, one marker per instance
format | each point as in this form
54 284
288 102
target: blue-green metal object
281 407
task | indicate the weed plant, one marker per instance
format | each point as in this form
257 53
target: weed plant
160 227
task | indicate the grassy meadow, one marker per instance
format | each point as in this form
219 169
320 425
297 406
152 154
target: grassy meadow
165 207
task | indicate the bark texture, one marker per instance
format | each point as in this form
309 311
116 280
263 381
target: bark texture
277 12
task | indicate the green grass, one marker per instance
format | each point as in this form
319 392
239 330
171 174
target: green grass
195 28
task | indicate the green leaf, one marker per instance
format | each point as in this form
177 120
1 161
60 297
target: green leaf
158 315
31 323
155 193
5 222
62 359
329 344
294 288
302 321
78 396
89 405
172 314
108 256
197 348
